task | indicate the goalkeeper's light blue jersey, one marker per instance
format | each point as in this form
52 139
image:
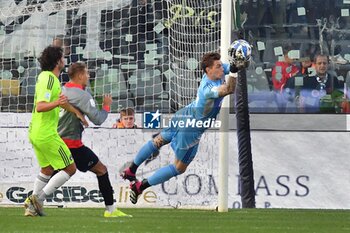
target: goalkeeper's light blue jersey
207 104
185 140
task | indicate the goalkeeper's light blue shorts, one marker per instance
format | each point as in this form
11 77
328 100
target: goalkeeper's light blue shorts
184 142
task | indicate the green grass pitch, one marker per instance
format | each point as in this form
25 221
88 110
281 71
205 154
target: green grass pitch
176 220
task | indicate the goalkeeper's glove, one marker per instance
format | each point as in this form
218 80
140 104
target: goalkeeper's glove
233 68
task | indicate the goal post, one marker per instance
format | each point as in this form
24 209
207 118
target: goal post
226 18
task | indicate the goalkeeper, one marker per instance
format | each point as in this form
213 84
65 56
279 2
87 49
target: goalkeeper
184 141
70 129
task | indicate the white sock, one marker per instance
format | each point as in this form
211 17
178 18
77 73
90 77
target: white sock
40 182
54 183
110 208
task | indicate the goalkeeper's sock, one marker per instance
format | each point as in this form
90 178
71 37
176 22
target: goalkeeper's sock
106 189
133 168
54 183
40 182
163 174
144 184
145 152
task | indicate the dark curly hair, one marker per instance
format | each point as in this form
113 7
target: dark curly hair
50 57
209 59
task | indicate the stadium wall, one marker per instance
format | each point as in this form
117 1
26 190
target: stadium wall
292 169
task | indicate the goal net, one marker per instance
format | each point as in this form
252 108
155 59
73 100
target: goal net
146 53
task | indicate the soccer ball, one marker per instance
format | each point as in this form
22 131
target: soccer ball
239 52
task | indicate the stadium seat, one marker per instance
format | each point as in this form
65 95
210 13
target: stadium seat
260 97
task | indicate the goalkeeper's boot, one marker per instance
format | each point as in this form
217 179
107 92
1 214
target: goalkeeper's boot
38 205
136 191
128 175
29 208
115 214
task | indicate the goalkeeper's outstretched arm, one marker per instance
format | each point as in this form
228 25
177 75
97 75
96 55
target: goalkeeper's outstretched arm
228 87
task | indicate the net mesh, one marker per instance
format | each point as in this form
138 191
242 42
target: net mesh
145 53
194 28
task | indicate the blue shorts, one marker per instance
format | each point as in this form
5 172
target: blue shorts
184 142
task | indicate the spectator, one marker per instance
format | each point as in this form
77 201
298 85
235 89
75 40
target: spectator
282 71
126 120
323 81
318 92
306 66
64 43
60 41
291 90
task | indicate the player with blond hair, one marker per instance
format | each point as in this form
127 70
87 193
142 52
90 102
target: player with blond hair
70 129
